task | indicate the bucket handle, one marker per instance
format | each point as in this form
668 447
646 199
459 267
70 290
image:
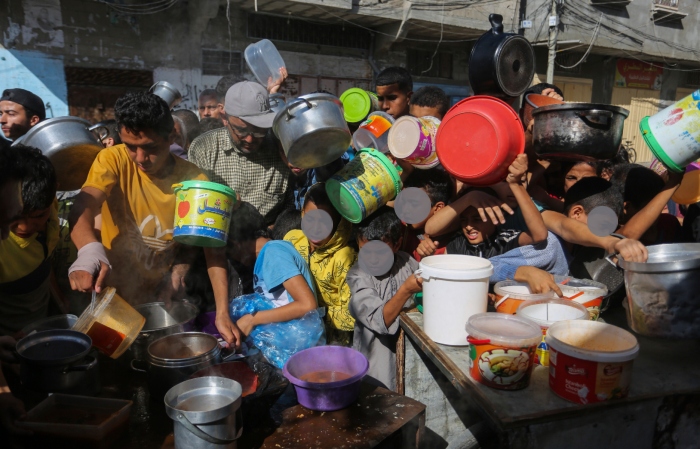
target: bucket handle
182 419
500 301
419 273
135 368
83 366
293 104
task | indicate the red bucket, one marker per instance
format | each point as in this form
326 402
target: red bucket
478 139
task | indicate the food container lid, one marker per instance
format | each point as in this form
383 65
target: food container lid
592 340
357 104
571 286
519 290
546 312
503 329
404 136
455 267
186 185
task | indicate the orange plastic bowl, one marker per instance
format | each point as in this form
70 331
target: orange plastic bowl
478 139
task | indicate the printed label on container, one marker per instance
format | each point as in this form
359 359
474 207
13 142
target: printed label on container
585 381
499 367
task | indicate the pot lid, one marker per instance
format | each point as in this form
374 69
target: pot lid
49 123
54 347
515 65
182 346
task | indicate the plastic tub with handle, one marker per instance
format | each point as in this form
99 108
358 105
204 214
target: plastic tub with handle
455 287
264 61
202 213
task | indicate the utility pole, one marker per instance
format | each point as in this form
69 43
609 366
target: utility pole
552 44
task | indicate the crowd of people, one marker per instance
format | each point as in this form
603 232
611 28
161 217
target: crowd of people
118 229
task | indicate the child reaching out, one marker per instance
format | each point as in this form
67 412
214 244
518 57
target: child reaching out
479 237
377 300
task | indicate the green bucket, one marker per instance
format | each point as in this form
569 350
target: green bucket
202 213
358 104
367 183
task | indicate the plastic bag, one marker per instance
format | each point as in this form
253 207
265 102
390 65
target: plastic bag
279 341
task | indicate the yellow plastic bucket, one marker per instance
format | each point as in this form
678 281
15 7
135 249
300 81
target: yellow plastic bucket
367 183
202 213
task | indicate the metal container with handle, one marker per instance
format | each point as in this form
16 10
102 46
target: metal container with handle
501 64
578 131
162 321
70 146
167 92
662 292
312 130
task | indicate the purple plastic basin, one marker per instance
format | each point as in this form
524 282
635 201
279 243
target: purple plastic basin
206 322
327 396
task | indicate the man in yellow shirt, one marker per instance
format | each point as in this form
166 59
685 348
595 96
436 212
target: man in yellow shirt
131 185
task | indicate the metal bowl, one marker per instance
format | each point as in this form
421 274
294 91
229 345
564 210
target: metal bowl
661 293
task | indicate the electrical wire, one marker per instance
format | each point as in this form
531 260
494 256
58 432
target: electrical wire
144 9
432 58
590 46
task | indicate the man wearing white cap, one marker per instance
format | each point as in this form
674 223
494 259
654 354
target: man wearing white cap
243 154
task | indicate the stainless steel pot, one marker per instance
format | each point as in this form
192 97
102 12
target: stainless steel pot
277 102
161 322
167 92
312 130
501 64
70 146
57 361
662 293
175 358
578 131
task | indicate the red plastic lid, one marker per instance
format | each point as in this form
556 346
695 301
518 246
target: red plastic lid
479 138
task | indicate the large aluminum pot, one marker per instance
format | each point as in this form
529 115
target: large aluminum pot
162 321
167 92
175 358
70 146
57 361
312 130
578 131
501 64
662 293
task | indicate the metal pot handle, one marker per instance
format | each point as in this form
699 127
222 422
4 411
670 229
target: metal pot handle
133 367
100 127
182 419
293 104
83 367
596 116
232 354
496 23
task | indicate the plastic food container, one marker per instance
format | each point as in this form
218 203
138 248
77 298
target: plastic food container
113 325
590 361
364 185
264 61
77 417
455 287
502 349
511 294
358 104
326 378
478 139
413 139
546 312
202 213
584 291
374 132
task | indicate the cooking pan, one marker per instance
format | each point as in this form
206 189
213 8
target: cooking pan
501 64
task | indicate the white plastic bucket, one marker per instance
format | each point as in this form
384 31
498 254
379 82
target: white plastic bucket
590 361
673 134
455 287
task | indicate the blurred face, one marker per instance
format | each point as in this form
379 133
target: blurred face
246 136
10 206
149 150
14 120
473 227
393 101
320 227
32 223
425 111
210 107
577 173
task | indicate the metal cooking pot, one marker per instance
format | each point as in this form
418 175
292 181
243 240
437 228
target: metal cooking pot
69 145
312 130
277 102
167 92
662 292
161 322
57 361
175 358
578 131
501 64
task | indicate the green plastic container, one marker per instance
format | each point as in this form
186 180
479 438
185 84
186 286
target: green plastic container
202 213
367 183
358 104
